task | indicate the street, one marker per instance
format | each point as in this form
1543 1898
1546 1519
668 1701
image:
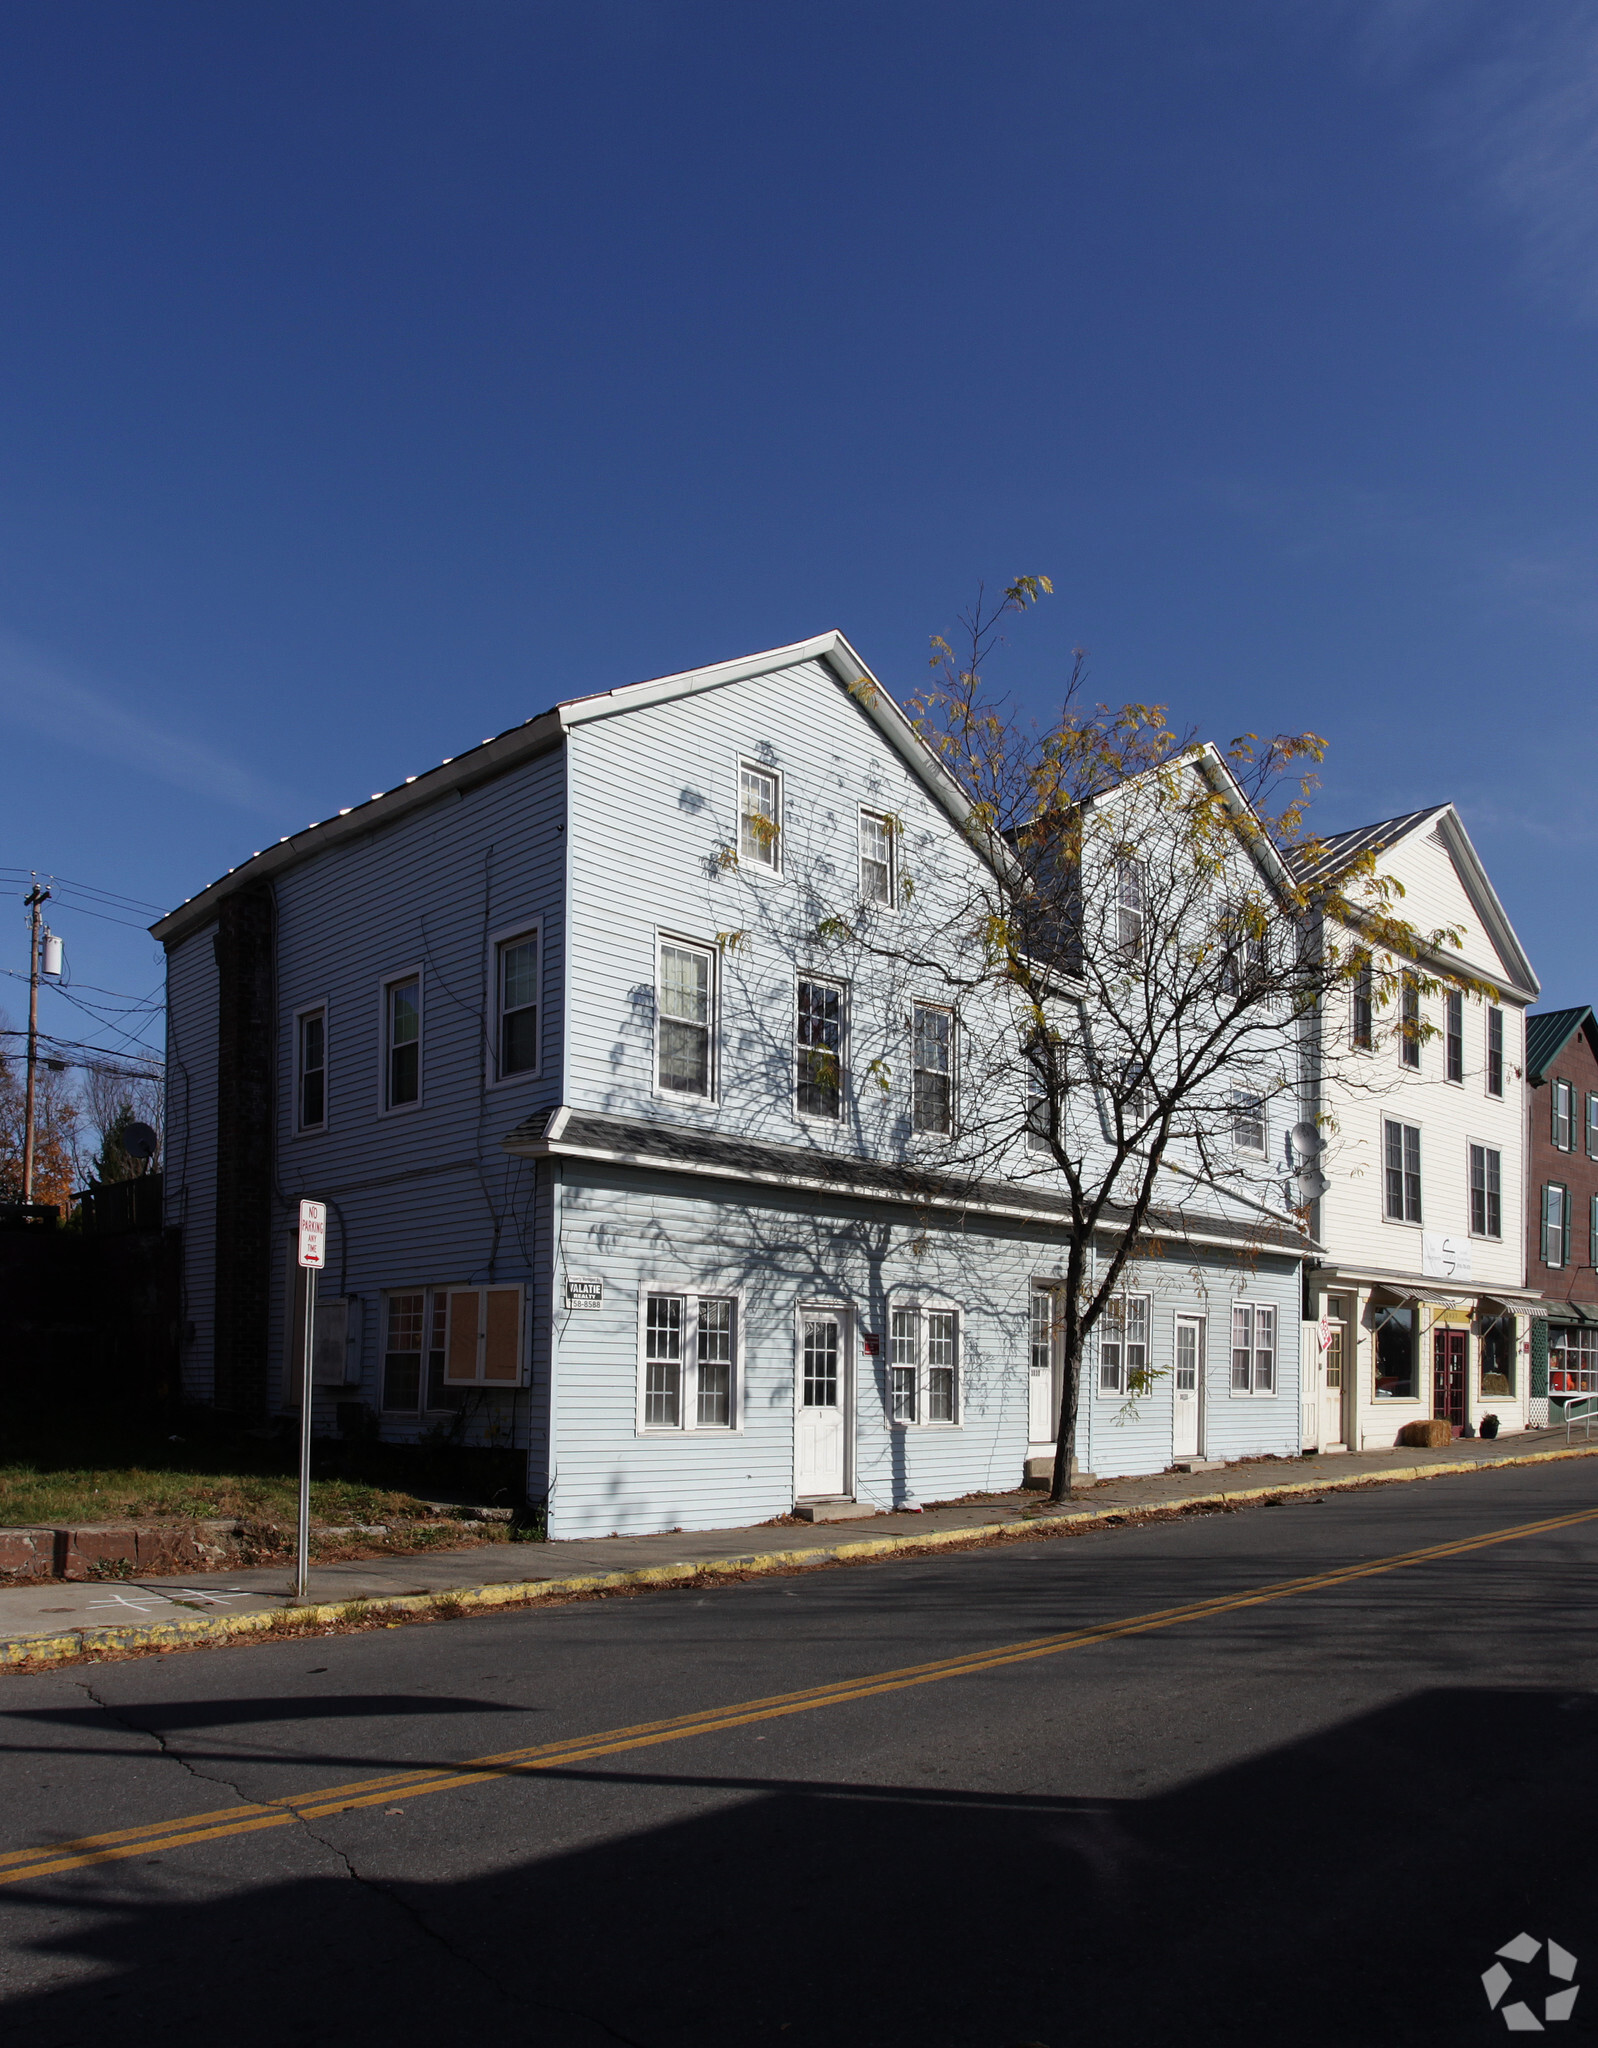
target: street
1162 1794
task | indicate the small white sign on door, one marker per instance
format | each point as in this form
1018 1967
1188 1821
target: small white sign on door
585 1293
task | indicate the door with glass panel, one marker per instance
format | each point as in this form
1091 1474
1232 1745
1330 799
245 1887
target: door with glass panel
1333 1348
1187 1388
1043 1377
823 1431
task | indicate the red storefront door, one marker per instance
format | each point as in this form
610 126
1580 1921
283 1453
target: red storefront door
1448 1376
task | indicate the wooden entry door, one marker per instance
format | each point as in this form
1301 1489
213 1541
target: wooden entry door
1187 1391
822 1461
1449 1351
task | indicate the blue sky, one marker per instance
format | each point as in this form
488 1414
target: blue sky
374 375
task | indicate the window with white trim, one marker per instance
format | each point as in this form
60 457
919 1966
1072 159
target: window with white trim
685 1015
1248 1122
690 1361
818 1049
759 816
924 1365
1592 1126
416 1352
1486 1191
1572 1360
1562 1106
932 1067
402 1041
1129 909
1253 1348
516 982
1454 1035
1124 1345
1555 1224
1400 1171
1037 1109
1495 1050
876 859
310 1070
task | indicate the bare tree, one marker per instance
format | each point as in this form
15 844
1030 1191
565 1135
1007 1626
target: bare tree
114 1098
1133 963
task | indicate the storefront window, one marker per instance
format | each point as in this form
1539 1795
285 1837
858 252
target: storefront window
1394 1330
1572 1360
1498 1356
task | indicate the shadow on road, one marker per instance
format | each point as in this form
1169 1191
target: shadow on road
1346 1890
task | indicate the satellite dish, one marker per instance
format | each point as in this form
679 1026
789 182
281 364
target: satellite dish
1312 1184
139 1141
1305 1140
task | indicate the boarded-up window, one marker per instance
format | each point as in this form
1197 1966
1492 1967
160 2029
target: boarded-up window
484 1343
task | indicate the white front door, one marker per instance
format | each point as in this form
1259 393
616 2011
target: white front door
1187 1387
822 1460
1332 1353
1043 1377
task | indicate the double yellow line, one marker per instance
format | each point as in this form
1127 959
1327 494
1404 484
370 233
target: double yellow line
51 1858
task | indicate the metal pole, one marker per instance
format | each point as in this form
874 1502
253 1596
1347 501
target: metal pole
35 900
303 1551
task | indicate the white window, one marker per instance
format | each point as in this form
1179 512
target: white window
310 1069
1486 1187
932 1067
1556 1224
689 1362
402 1041
1363 1027
924 1365
1124 1345
876 859
818 1049
1400 1172
483 1337
517 984
415 1350
1592 1126
1562 1103
759 817
1253 1348
685 1014
1129 905
1409 1030
1248 1122
1495 1050
1454 1035
1037 1108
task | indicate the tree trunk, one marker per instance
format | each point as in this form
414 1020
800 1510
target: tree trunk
1070 1391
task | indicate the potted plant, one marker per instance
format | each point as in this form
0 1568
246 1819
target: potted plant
1489 1426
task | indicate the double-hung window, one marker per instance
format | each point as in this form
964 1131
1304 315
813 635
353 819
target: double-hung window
1454 1035
685 1007
690 1361
1253 1348
516 980
1409 1021
1124 1345
924 1365
759 817
402 1041
1362 1029
1592 1126
932 1067
1400 1171
1129 909
440 1341
310 1070
876 859
818 1049
1486 1182
1562 1105
1248 1122
1592 1232
1556 1224
1495 1050
1037 1106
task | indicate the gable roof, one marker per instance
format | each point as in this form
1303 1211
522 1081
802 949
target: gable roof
1548 1032
547 730
1340 847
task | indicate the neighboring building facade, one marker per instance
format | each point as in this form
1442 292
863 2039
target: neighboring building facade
1562 1198
1419 1305
628 1172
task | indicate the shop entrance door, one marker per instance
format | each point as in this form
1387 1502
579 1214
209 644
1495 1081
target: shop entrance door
1449 1349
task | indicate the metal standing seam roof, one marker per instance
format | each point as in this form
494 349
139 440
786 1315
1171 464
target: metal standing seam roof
1548 1032
1344 846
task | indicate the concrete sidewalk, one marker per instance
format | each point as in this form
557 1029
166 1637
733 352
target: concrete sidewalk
47 1623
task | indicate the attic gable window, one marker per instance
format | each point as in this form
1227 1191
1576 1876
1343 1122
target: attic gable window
1129 906
876 859
759 817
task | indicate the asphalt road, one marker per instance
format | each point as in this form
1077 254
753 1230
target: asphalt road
1303 1818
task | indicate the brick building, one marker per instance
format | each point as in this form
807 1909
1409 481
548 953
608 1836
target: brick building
1562 1196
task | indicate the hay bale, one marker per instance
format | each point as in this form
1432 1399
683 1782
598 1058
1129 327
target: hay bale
1435 1434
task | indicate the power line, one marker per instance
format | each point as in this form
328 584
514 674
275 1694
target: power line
90 889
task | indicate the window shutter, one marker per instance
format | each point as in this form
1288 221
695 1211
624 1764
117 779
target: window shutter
330 1342
460 1358
503 1329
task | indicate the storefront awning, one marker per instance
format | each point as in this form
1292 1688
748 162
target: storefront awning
1569 1311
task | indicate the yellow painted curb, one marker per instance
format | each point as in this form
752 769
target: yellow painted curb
221 1628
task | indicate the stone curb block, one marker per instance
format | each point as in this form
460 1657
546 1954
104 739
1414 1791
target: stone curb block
220 1628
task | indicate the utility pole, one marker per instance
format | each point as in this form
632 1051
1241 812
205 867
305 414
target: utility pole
35 900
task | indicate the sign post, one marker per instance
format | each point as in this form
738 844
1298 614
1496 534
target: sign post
313 1248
